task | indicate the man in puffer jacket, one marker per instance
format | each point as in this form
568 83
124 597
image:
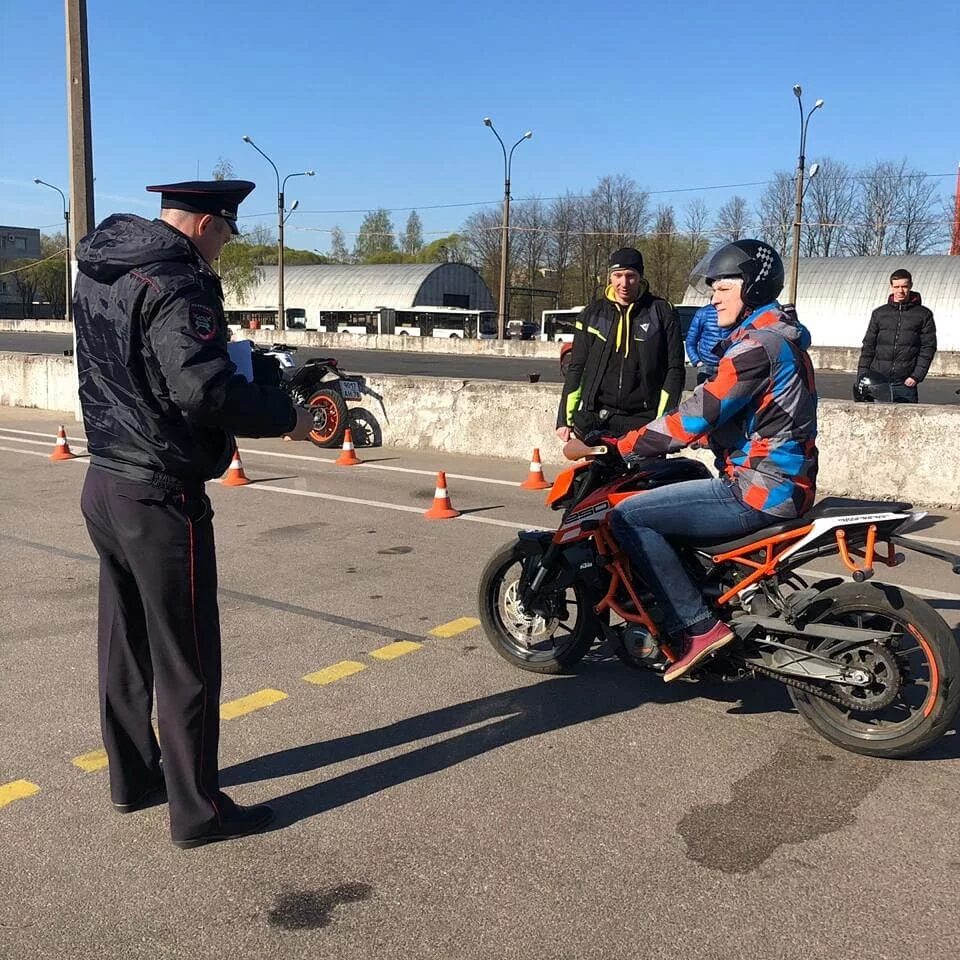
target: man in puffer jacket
901 340
702 338
626 364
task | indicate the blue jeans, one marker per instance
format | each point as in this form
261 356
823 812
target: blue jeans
705 510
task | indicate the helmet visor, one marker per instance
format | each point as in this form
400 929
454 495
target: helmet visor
705 271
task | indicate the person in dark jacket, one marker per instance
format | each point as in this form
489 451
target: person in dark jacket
759 414
161 404
626 364
701 341
900 341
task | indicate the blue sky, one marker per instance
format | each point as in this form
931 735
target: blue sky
384 100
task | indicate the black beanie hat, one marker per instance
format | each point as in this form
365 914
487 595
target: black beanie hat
626 259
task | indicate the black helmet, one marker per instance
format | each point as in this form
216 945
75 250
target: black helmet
871 387
756 262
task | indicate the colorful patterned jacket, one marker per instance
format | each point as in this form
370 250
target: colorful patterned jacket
759 415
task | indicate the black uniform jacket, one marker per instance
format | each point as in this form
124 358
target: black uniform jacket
901 340
161 398
627 359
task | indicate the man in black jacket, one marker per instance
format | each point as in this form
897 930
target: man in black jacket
901 340
161 403
626 364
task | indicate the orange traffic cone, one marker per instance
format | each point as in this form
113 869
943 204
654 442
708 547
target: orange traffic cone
442 509
348 457
535 479
235 476
62 450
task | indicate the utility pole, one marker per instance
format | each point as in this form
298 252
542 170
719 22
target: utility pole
80 145
78 128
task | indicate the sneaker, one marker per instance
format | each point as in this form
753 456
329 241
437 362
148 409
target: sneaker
700 646
241 822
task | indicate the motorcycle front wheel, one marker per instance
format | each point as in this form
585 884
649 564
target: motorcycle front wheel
914 694
539 643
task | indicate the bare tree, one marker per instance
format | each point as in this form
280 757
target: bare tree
223 170
529 237
920 227
338 246
829 204
619 211
561 242
775 211
665 265
732 219
481 232
876 210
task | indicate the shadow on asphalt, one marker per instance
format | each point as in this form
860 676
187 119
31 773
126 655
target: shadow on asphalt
600 688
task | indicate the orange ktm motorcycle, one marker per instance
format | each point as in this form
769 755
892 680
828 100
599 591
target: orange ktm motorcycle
868 665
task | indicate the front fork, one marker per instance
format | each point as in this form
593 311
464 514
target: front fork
543 565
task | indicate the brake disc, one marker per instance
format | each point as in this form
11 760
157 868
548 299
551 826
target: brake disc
525 627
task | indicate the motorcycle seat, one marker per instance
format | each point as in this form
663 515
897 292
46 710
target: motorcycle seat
725 546
827 507
842 507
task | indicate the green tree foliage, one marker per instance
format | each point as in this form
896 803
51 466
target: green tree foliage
449 249
51 272
412 240
239 270
375 236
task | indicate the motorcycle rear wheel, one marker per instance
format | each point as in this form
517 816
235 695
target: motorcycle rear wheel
928 658
534 643
330 417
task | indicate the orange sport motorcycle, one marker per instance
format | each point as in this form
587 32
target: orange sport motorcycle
869 666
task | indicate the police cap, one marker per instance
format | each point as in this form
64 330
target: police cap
220 198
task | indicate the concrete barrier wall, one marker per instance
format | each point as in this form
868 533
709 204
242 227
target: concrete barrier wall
866 450
945 364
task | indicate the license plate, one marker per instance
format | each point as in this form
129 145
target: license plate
350 389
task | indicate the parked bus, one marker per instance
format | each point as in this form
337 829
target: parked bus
556 326
450 322
264 318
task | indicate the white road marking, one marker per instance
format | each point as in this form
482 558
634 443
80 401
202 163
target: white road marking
384 506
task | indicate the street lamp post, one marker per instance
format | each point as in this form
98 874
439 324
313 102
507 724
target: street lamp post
282 215
505 232
801 189
68 306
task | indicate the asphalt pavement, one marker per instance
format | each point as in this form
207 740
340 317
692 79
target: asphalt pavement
830 383
432 801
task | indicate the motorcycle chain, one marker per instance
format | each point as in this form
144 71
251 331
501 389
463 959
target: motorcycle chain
789 681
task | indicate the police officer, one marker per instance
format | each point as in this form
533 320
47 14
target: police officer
161 404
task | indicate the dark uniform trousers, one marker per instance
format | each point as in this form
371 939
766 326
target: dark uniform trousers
159 626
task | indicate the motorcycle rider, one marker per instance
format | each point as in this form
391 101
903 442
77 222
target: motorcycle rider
759 416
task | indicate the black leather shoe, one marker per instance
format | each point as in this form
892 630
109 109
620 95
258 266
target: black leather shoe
240 823
152 798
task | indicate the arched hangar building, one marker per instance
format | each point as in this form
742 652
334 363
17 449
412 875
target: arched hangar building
418 299
836 295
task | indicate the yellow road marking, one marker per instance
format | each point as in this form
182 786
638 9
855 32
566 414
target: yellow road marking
16 790
262 698
393 650
96 760
451 629
345 668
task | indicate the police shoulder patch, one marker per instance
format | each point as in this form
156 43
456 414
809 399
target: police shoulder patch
203 321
